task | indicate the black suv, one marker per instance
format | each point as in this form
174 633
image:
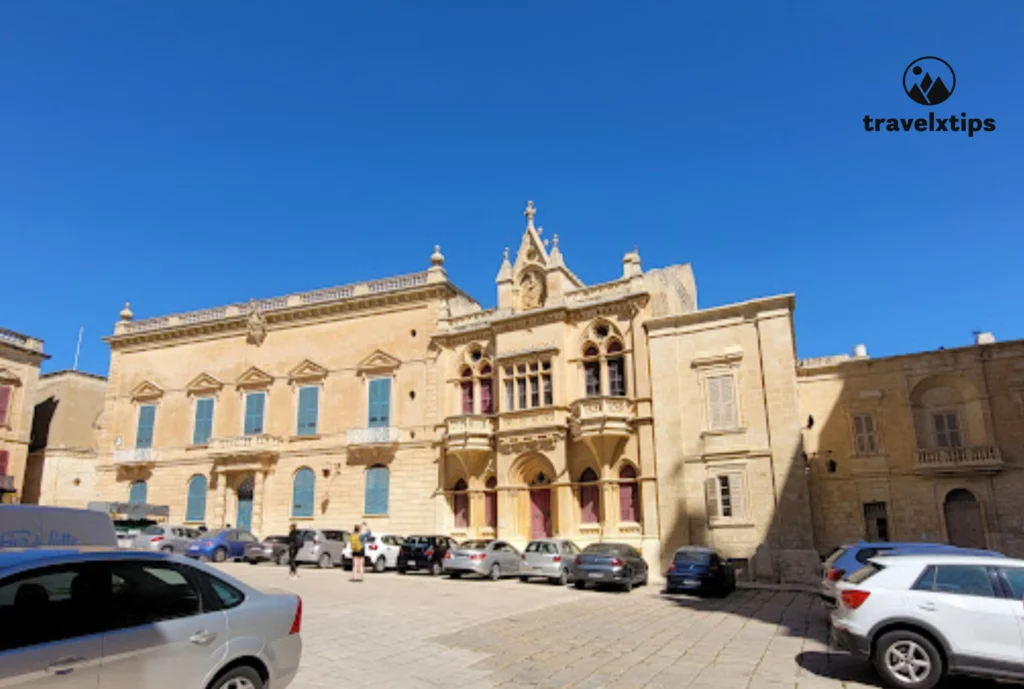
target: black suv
424 552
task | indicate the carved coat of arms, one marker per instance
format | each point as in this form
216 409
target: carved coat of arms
256 325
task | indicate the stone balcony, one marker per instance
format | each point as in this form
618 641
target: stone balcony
382 436
602 416
136 456
261 445
470 432
984 458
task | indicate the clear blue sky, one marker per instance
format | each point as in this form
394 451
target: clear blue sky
184 155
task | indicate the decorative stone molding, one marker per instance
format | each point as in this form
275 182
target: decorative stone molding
307 372
377 363
8 377
546 348
255 325
730 357
204 383
146 391
254 378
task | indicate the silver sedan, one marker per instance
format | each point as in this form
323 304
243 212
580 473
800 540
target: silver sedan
491 559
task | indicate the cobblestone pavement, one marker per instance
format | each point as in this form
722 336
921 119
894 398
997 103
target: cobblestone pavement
416 632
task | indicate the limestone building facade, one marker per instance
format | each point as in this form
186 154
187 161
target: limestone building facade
20 359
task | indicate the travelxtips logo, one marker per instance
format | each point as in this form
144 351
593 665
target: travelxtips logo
930 81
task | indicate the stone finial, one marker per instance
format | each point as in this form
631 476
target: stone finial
437 258
506 254
126 312
631 263
554 241
555 257
529 213
505 272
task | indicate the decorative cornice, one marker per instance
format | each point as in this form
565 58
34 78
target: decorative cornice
204 382
378 362
147 390
307 371
254 378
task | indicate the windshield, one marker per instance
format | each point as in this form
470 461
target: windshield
604 549
277 539
693 557
214 533
836 554
475 545
153 530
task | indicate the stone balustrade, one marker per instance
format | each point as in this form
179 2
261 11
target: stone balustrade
470 432
246 444
138 455
959 458
384 435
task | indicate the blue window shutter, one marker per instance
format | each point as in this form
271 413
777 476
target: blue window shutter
380 403
203 428
137 492
254 403
309 410
303 492
195 510
376 490
144 431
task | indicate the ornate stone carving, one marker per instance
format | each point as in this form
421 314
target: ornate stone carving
532 290
255 325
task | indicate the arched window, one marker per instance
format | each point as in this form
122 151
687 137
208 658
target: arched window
590 498
377 486
460 504
486 390
467 391
137 492
592 371
195 506
616 365
491 503
303 492
629 495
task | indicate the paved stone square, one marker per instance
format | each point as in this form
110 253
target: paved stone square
416 632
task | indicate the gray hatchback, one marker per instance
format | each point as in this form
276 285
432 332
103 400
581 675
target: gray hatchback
491 559
322 547
166 538
548 558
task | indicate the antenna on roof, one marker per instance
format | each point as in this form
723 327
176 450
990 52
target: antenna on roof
78 348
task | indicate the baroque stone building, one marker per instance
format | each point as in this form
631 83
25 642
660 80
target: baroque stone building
20 358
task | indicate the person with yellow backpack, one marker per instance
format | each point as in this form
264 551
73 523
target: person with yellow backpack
357 542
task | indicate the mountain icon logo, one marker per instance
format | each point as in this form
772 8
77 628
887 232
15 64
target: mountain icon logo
929 80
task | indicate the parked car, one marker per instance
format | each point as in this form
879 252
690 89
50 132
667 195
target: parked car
220 545
423 552
381 551
847 559
271 549
485 558
131 618
167 538
618 564
31 526
128 529
548 558
322 547
920 617
700 570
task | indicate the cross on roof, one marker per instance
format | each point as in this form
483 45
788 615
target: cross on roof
529 213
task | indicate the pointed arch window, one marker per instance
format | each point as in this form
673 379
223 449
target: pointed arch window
460 505
604 362
486 390
629 495
491 503
466 386
615 363
590 498
303 492
195 509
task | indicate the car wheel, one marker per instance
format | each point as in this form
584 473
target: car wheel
580 585
906 659
401 570
494 573
242 677
455 575
379 565
435 569
219 555
254 562
628 586
563 577
524 580
647 576
282 559
169 549
324 562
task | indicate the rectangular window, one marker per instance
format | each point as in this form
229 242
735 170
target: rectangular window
947 430
202 429
380 403
865 439
549 397
876 520
5 404
722 402
144 430
534 391
592 372
254 405
724 497
510 396
309 410
521 384
617 376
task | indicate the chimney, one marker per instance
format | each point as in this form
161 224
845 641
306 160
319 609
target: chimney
860 351
981 338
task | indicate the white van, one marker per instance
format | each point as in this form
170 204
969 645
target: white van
32 526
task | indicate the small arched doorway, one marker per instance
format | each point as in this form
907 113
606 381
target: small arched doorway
245 490
540 506
965 527
460 505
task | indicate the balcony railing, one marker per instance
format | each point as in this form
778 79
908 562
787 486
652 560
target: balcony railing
246 444
6 484
138 455
594 416
960 458
470 432
383 435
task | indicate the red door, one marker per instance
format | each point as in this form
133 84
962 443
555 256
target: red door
540 513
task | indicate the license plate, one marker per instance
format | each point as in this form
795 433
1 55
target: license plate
595 575
691 582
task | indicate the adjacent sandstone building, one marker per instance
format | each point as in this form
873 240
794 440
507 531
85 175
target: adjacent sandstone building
20 358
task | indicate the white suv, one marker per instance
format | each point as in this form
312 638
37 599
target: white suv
920 617
381 552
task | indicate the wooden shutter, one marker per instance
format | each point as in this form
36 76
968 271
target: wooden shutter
715 402
711 496
309 410
144 430
736 496
195 510
203 427
380 403
728 401
254 404
303 493
137 492
5 402
376 501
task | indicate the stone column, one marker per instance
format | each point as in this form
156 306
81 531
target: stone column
218 505
565 503
257 501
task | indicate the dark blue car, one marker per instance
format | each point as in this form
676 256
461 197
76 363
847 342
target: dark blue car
701 571
220 545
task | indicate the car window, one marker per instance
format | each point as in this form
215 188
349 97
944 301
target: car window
534 547
52 604
1015 578
966 580
864 573
153 530
865 554
477 545
835 555
246 537
392 540
334 535
148 592
570 547
692 557
227 595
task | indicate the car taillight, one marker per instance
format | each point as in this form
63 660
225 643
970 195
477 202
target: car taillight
578 560
836 574
316 541
156 539
373 547
616 562
477 556
556 558
853 598
297 621
447 556
672 568
523 557
429 553
208 544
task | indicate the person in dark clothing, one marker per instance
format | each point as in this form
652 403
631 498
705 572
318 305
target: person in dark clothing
294 546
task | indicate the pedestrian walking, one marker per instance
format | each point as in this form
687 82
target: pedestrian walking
358 544
294 546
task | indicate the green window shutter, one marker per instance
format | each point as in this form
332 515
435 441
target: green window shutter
303 492
144 430
203 427
254 404
379 403
309 409
195 510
